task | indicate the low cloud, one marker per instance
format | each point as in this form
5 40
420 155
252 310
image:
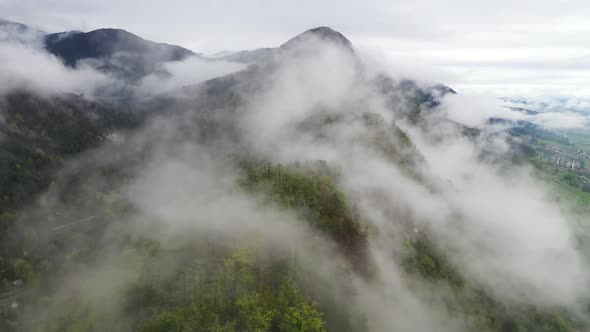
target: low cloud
193 70
475 110
561 120
17 33
31 68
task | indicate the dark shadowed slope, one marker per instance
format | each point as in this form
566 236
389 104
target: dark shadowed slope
114 50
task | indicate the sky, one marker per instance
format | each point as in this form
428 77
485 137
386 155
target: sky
507 48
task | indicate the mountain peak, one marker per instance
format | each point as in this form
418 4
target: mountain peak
322 33
75 45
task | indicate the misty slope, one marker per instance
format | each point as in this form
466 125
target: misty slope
265 55
13 31
217 104
17 27
38 133
299 194
114 51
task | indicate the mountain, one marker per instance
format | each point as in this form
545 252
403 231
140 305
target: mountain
416 98
227 93
114 51
288 196
322 34
325 35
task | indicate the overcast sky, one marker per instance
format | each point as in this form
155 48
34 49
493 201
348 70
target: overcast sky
508 47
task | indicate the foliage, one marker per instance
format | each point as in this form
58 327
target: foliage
196 288
242 296
311 190
296 315
257 316
24 270
481 310
166 321
39 133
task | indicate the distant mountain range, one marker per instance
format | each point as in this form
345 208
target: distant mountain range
76 46
114 51
131 57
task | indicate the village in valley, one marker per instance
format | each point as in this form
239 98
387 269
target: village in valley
575 162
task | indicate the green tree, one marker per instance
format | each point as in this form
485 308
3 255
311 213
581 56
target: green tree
296 314
24 270
238 274
167 321
255 311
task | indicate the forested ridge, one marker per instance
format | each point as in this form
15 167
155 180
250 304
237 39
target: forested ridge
209 287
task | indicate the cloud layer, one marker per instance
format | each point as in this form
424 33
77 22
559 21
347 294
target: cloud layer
29 67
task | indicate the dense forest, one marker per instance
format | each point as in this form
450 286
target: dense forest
204 285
